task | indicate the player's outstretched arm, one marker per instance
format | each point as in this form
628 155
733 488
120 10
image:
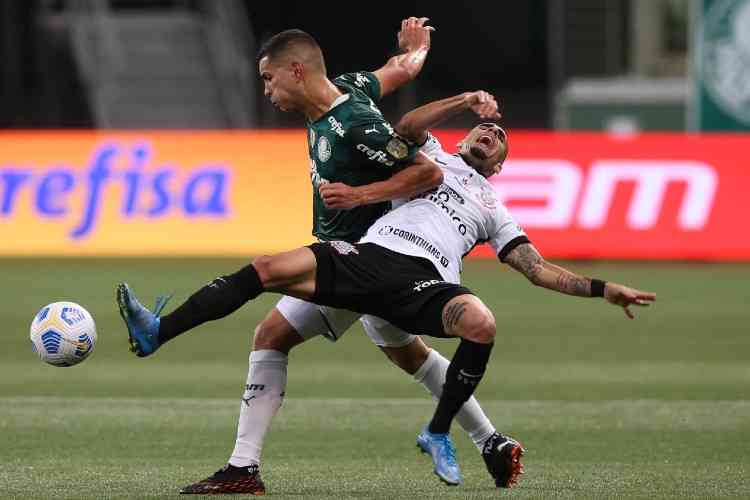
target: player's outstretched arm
415 124
527 260
414 44
420 176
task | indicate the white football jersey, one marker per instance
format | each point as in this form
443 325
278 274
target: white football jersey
446 223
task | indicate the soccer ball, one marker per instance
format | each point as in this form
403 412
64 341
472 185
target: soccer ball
63 334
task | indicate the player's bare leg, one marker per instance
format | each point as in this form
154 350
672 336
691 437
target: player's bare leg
409 357
291 273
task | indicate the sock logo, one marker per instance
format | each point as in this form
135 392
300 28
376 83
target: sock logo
249 388
247 400
468 378
217 282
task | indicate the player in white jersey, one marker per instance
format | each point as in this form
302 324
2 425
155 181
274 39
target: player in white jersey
466 199
401 273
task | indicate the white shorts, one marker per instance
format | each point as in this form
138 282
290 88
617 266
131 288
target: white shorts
310 319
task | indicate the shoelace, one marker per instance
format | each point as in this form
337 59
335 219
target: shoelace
449 451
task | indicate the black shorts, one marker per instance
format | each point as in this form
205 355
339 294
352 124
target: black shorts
364 277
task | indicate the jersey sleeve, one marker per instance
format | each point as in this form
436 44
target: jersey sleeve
507 235
377 142
364 81
431 146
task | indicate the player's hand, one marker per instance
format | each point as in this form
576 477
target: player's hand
339 195
483 104
623 296
414 35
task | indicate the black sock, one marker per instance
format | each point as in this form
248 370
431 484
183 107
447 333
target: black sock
464 373
219 298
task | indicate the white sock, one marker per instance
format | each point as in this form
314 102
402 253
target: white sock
470 417
264 393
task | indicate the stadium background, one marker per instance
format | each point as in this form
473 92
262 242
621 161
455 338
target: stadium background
136 145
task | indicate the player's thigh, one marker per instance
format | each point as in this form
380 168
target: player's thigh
466 316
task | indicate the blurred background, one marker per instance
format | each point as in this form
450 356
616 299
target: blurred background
135 144
563 64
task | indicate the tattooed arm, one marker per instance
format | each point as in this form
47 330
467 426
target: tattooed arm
527 260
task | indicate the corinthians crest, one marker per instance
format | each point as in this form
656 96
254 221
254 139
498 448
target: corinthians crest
343 247
726 57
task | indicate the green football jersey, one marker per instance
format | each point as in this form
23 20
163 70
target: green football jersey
352 143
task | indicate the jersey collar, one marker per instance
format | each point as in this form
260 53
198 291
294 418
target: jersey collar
339 100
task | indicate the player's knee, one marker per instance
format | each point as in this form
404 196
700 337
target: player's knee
265 268
270 270
478 325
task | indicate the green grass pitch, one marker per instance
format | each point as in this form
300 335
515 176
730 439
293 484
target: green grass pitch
658 407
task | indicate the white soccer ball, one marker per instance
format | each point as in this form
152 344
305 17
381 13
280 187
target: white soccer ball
63 334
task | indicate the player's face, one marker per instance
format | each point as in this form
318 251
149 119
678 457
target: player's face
487 146
279 83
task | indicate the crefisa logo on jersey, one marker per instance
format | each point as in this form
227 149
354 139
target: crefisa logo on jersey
324 149
726 60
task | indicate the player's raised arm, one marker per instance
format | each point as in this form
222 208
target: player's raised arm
415 124
414 44
527 260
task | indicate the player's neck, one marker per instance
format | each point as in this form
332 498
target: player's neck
321 94
470 161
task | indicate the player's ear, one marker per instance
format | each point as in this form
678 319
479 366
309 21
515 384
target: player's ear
298 71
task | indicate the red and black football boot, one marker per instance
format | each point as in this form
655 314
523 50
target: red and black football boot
502 456
229 479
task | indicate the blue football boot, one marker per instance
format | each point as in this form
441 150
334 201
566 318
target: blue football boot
440 448
143 325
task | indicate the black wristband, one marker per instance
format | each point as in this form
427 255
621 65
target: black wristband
597 288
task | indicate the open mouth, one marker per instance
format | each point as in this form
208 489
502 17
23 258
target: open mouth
485 140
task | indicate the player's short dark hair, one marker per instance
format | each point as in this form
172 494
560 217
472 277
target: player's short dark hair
287 40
